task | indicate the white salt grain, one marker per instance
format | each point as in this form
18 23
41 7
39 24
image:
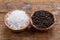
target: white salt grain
18 19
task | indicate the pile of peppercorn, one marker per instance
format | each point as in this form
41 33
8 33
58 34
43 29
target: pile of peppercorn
42 19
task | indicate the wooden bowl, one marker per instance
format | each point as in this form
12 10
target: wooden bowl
8 26
39 28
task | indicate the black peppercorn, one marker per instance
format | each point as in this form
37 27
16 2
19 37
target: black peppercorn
42 19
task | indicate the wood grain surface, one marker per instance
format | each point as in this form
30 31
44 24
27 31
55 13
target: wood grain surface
31 33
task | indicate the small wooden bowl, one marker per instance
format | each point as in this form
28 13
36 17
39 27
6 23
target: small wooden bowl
41 29
8 26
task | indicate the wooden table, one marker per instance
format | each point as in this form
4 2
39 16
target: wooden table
31 33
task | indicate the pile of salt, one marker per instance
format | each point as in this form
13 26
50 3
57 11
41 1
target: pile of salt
17 20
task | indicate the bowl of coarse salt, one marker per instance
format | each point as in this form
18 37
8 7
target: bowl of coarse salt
17 20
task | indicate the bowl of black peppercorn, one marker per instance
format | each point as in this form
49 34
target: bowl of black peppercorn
42 20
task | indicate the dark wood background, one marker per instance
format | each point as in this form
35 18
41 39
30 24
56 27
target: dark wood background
31 33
